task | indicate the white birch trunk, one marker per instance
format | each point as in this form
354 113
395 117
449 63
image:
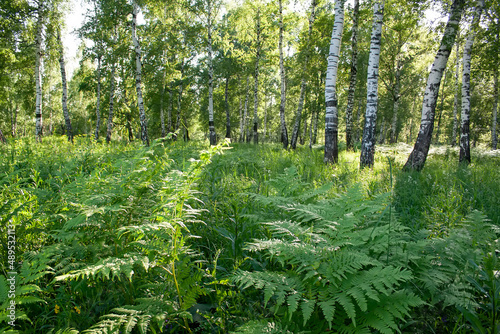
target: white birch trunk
416 160
298 115
138 77
64 99
494 113
256 89
331 116
226 106
98 101
111 104
368 140
162 113
352 79
455 101
211 125
464 156
38 73
284 131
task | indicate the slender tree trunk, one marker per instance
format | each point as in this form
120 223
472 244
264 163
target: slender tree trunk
111 104
298 114
245 110
64 100
352 78
128 113
138 78
455 101
441 109
98 100
416 160
318 110
38 74
13 121
2 137
211 125
495 109
331 99
304 132
179 110
357 128
311 130
256 90
368 141
464 156
396 97
381 136
284 131
265 119
240 109
226 105
162 113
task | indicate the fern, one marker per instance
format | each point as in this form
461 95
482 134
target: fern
342 258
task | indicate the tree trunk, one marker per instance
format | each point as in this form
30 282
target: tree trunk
138 77
111 104
211 125
495 109
311 130
13 121
162 113
98 101
331 100
441 109
245 111
64 100
455 102
38 74
298 114
265 120
416 160
226 105
396 97
304 132
256 90
368 141
284 131
2 138
179 109
352 78
464 156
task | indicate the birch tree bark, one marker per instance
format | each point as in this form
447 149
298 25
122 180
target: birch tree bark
64 99
38 73
352 78
111 104
256 89
211 125
331 116
455 100
226 106
162 98
368 141
284 131
138 77
298 114
243 124
464 156
98 99
416 160
495 110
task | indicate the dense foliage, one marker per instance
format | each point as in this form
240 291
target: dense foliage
176 238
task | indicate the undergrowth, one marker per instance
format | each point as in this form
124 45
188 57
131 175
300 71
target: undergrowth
183 238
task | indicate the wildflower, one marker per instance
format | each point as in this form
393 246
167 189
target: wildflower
57 309
77 309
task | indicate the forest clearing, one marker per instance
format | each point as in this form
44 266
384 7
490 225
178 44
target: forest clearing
250 166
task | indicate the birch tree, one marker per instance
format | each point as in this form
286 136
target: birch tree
331 117
455 99
368 141
495 110
64 99
38 71
303 84
416 160
284 132
258 31
464 156
352 77
138 76
109 127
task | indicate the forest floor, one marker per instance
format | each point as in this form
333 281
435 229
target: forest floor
183 238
